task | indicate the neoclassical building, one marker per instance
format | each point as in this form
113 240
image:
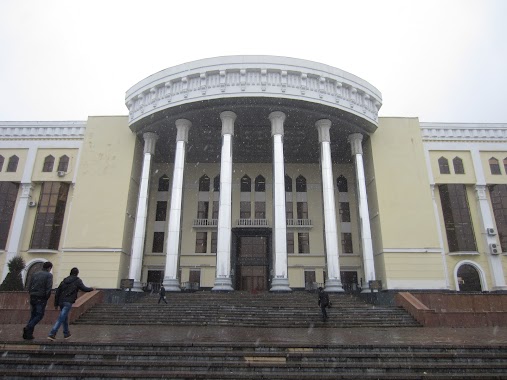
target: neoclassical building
257 173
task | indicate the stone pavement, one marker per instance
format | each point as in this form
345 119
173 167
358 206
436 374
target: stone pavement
493 336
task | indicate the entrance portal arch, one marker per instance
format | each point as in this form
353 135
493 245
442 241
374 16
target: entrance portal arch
469 277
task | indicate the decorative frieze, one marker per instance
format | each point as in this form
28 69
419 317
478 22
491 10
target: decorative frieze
38 130
464 132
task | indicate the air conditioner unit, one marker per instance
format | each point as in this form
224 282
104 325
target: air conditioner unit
491 231
61 173
494 249
32 204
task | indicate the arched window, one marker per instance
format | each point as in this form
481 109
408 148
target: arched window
260 184
204 183
494 166
443 165
301 184
288 184
216 183
458 165
469 279
49 162
34 268
63 164
1 162
504 165
163 183
342 185
12 166
246 184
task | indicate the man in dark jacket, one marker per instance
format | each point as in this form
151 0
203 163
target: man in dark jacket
65 296
39 287
323 303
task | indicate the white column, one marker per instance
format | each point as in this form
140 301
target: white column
136 258
355 140
223 272
280 280
333 281
171 281
440 237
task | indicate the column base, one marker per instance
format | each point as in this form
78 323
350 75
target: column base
138 287
333 286
223 284
499 288
171 285
280 285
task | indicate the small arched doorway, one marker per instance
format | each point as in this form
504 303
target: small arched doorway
34 268
469 279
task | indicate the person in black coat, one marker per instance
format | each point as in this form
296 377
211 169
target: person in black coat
162 294
39 287
323 303
65 296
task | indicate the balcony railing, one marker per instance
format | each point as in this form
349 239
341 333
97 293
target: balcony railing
252 223
301 223
205 223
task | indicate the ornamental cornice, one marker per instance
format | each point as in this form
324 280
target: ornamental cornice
253 76
461 132
42 130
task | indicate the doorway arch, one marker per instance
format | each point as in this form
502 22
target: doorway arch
469 277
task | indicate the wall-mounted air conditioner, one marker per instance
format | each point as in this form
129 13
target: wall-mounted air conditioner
494 249
491 231
61 173
32 204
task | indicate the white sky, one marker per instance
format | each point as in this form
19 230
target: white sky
439 60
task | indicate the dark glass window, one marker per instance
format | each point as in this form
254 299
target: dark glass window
458 165
345 211
63 164
8 195
246 184
163 183
494 166
301 184
1 162
288 184
260 210
456 212
158 242
244 210
289 212
49 162
12 166
504 165
202 210
201 242
499 205
302 210
290 242
260 184
303 242
347 243
443 165
342 185
216 183
204 183
50 213
161 213
214 240
216 209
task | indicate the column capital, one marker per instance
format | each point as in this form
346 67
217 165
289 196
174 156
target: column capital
323 126
277 119
355 140
228 118
150 138
183 125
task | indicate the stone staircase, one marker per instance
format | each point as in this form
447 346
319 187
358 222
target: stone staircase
242 309
68 361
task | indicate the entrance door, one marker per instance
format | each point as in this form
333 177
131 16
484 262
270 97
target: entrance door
468 279
252 263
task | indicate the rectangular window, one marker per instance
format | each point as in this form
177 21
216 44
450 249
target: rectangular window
302 210
216 208
260 210
290 242
345 212
244 210
201 242
458 224
50 212
202 210
499 205
158 242
347 243
289 213
214 240
8 195
161 213
303 242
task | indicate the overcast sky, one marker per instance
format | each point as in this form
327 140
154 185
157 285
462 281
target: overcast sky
439 60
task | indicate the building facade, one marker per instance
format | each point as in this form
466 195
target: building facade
257 173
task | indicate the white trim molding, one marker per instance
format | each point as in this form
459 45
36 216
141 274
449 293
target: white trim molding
463 132
42 130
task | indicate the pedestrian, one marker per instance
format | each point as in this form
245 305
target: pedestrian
65 296
39 288
323 303
162 294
